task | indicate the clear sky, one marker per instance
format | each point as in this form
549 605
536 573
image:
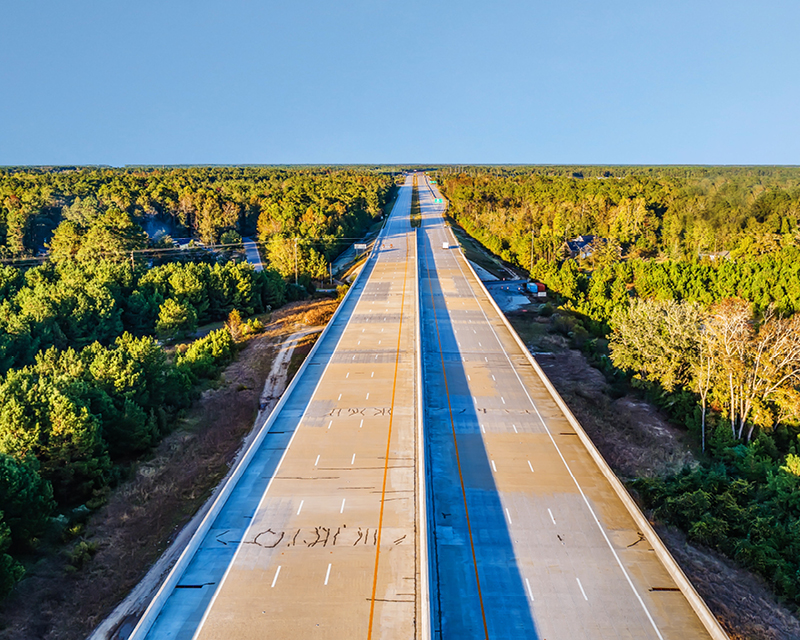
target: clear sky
373 81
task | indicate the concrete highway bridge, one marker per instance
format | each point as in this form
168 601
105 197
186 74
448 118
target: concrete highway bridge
421 478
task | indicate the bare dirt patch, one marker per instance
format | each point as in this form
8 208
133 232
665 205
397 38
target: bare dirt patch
633 436
145 513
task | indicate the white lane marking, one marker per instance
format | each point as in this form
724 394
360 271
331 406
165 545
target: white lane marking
300 507
508 515
329 424
379 341
503 399
358 343
361 424
515 428
367 396
582 591
485 358
473 331
362 331
482 429
327 575
277 573
342 509
479 344
531 466
494 467
372 375
376 356
348 375
569 470
354 459
551 515
340 397
354 357
468 378
493 378
530 593
316 462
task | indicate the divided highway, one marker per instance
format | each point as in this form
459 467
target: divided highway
420 478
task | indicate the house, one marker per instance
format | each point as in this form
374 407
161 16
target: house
715 255
581 247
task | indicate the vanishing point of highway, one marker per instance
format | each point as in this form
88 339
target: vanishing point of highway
420 478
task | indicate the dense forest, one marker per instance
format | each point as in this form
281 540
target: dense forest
687 289
91 284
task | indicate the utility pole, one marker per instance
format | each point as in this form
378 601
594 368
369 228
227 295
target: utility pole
295 260
530 271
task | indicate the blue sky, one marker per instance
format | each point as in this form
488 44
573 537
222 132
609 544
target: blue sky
238 82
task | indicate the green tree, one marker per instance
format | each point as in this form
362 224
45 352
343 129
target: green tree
26 500
176 320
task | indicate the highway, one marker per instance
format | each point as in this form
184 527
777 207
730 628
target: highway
528 537
421 478
318 537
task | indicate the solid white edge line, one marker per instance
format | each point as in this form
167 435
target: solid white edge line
422 488
530 593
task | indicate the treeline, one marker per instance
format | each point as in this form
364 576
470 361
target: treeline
86 213
86 388
68 420
73 305
691 296
670 212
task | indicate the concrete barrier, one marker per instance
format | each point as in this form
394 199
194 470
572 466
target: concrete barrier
422 487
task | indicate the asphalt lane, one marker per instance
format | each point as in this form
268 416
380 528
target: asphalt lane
319 538
528 538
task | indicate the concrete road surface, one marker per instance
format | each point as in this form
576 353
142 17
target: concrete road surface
319 537
528 537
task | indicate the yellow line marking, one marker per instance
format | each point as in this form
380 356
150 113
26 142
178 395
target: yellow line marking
388 449
458 459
